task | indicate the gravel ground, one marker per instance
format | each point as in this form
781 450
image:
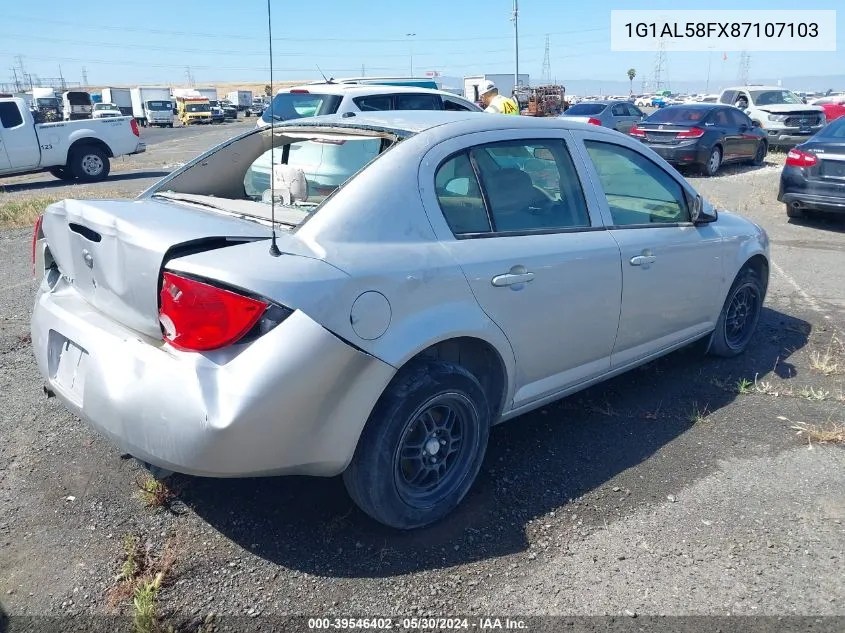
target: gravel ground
664 491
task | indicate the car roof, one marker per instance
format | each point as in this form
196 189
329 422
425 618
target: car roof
410 122
756 88
604 102
368 89
697 105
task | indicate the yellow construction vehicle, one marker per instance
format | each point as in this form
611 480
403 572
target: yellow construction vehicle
193 110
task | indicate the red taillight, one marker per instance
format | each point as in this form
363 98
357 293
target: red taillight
300 91
35 240
134 125
636 131
693 132
593 121
197 316
800 158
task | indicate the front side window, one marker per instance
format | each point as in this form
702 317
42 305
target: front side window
527 186
619 110
418 102
638 191
454 106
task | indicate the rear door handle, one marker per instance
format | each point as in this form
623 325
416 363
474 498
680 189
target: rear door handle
511 279
643 260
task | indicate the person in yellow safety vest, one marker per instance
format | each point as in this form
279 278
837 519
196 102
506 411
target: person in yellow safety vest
496 103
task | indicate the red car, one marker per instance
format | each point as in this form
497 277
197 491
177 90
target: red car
834 107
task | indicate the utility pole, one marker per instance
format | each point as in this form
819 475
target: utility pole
17 83
411 49
61 78
546 73
516 44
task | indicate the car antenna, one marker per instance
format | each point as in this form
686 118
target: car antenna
328 81
274 247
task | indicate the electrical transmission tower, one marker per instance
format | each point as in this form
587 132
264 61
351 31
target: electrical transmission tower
546 74
659 71
744 68
84 77
189 76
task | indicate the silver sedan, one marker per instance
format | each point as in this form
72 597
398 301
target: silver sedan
428 275
617 115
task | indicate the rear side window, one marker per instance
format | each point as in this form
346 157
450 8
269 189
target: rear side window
528 186
10 116
738 118
373 103
634 110
638 191
297 105
585 109
417 102
619 110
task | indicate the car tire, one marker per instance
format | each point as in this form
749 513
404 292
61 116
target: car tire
793 212
89 164
62 173
740 315
714 161
760 155
399 474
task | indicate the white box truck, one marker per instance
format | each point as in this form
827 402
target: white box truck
76 105
208 93
121 97
241 99
152 106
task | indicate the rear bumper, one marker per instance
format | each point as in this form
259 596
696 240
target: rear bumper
814 201
294 403
140 148
690 154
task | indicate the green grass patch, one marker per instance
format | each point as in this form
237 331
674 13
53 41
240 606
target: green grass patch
15 214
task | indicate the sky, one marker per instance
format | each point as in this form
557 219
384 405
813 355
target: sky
156 41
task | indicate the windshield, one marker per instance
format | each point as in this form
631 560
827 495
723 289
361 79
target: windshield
157 106
835 130
585 109
47 103
774 97
198 107
679 115
295 105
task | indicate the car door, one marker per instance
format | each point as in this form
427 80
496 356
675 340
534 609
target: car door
671 268
513 214
622 120
746 139
20 144
721 121
4 158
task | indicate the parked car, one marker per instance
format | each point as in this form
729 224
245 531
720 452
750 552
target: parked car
781 113
256 109
217 114
202 339
105 111
813 178
703 135
619 115
643 101
70 150
230 110
833 106
352 99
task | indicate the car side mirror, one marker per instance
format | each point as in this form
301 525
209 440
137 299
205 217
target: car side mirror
755 124
703 212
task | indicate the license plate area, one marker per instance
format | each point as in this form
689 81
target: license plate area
832 169
66 363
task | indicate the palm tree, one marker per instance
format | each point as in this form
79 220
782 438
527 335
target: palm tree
631 74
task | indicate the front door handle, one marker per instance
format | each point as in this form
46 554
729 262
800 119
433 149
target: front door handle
643 260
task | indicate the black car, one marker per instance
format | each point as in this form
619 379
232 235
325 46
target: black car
813 178
702 134
230 111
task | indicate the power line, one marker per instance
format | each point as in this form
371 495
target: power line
222 36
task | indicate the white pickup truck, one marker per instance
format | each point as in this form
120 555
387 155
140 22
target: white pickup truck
70 150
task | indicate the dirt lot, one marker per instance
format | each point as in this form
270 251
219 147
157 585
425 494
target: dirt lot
681 488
